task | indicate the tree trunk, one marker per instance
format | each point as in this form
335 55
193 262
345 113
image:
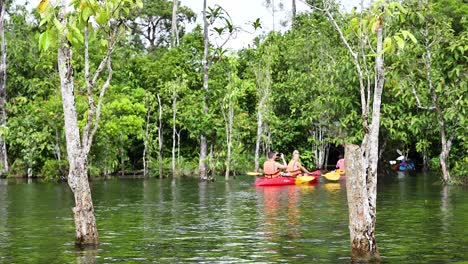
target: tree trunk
3 99
293 10
259 132
229 119
174 132
203 141
160 139
85 222
361 220
174 31
146 143
263 77
443 163
361 162
362 166
445 142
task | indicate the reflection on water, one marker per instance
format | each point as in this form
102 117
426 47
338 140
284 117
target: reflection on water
185 221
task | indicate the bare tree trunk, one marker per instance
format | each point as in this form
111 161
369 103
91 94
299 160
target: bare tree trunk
361 222
362 162
146 142
203 141
263 77
160 139
174 31
293 10
445 142
85 222
178 148
3 99
259 133
229 123
174 132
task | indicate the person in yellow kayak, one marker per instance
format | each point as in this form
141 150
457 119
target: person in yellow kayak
294 166
271 168
340 164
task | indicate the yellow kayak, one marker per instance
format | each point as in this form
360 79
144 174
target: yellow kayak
333 175
306 179
251 173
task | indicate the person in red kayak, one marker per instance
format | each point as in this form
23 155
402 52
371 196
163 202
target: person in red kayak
340 164
271 168
294 167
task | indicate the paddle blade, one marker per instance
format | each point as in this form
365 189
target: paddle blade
251 173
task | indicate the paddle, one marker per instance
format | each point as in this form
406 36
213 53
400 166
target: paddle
252 173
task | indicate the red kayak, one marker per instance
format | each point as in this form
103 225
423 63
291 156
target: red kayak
262 181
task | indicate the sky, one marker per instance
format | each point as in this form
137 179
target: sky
243 12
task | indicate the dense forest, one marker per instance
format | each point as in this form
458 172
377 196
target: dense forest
180 103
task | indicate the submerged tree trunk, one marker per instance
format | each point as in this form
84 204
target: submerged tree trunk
361 162
361 220
85 222
203 140
3 99
160 139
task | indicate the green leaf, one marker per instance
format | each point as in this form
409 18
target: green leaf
139 4
387 43
44 41
407 34
400 42
86 13
58 25
102 17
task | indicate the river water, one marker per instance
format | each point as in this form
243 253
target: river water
184 221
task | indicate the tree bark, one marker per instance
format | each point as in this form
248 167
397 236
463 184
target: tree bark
85 222
3 99
174 131
203 140
146 143
361 220
293 10
174 31
229 123
160 139
263 78
446 141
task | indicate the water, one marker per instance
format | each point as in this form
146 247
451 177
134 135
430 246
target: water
153 221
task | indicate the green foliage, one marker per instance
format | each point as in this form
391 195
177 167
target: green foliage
54 170
313 86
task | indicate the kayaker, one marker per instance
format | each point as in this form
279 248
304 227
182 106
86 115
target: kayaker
340 164
271 168
294 167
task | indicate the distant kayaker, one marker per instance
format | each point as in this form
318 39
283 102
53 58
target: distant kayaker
271 168
294 166
340 164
